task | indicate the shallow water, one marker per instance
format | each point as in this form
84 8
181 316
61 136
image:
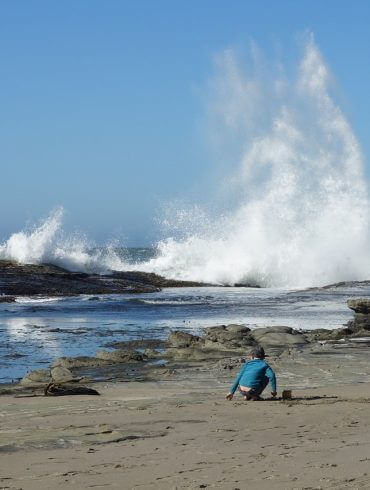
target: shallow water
36 331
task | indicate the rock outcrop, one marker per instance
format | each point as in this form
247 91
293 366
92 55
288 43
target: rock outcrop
361 322
120 356
79 362
230 340
51 280
39 377
7 299
278 336
356 328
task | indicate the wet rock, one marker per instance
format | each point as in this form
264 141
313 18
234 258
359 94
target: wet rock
7 299
120 355
37 377
180 339
55 389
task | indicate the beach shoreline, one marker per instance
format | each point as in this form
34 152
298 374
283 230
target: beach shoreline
182 433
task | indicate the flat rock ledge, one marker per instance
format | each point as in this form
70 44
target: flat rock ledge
51 280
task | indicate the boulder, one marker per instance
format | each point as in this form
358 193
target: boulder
237 329
37 377
278 336
361 305
61 374
182 340
228 337
120 355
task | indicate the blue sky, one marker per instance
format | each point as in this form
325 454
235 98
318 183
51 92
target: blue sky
103 103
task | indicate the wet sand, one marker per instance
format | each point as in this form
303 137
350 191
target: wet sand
181 433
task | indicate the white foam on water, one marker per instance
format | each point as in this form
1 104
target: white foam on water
47 243
302 213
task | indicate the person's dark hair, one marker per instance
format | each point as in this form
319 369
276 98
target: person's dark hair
258 352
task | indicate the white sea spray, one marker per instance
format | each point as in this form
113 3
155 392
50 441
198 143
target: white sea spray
301 216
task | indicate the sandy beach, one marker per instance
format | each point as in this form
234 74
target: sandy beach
180 433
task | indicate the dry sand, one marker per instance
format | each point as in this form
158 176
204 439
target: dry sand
175 435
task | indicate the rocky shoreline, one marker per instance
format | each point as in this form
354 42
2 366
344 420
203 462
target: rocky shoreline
219 350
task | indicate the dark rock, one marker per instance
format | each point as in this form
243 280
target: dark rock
55 389
50 280
7 299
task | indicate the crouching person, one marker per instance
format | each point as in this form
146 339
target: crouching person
253 378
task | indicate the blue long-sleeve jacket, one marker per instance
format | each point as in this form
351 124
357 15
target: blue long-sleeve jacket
253 375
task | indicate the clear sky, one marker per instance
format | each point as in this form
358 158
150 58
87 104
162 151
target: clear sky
102 102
